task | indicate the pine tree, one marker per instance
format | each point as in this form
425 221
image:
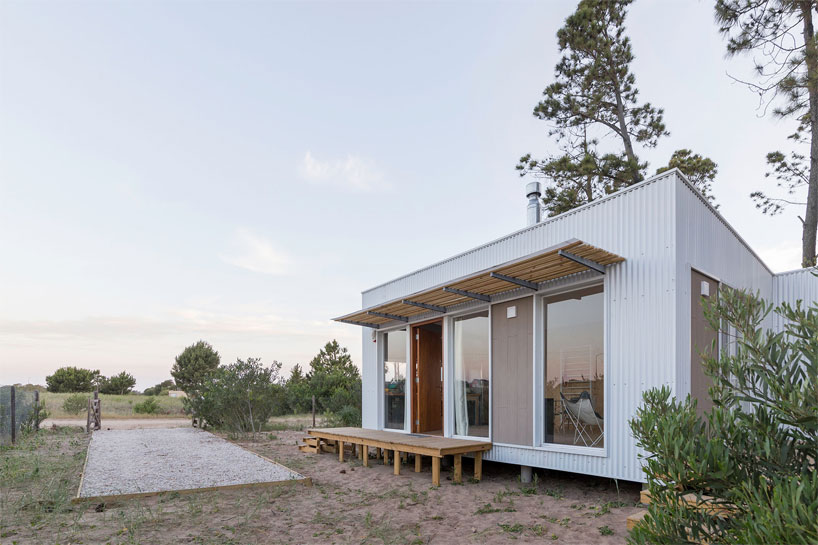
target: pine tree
780 34
593 98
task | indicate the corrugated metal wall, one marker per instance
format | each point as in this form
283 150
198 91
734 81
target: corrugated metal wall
647 342
708 244
794 286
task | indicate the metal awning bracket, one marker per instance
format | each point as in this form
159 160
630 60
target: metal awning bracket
513 280
388 316
583 261
427 306
473 295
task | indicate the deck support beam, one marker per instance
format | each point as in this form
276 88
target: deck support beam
458 469
514 280
471 294
396 456
478 466
435 471
418 463
583 261
427 306
340 451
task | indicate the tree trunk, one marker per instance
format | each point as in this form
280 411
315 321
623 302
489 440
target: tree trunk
810 225
626 137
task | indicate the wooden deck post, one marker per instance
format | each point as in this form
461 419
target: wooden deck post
340 451
396 456
365 457
435 471
360 451
385 457
478 465
458 468
378 453
418 463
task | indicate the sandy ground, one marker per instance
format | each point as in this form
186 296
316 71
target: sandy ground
347 503
122 423
155 460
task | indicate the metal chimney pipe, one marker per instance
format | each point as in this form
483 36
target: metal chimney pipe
533 192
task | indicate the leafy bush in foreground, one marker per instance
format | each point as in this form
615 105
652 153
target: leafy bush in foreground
755 451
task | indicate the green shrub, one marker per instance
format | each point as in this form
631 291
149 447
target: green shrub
755 451
348 416
75 404
149 406
239 397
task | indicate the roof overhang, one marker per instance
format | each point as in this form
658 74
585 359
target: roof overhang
529 272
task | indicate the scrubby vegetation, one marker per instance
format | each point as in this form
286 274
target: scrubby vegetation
753 455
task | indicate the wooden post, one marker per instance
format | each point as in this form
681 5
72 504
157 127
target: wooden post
378 453
340 451
360 451
13 414
418 463
313 411
385 457
88 419
396 456
435 471
365 457
458 468
478 465
36 410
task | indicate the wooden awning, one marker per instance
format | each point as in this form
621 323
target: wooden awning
565 259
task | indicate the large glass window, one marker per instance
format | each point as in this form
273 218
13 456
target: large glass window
575 368
471 375
394 379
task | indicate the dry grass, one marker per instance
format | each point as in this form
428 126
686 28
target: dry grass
114 406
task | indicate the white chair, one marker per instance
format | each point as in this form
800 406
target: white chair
581 413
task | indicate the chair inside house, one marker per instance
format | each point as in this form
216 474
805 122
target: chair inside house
582 415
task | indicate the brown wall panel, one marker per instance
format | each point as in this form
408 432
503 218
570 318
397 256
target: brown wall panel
702 337
512 352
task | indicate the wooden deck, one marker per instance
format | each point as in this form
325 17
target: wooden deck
400 445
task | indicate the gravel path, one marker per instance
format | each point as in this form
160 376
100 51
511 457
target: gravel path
159 460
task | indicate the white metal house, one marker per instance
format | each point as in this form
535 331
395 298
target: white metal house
543 341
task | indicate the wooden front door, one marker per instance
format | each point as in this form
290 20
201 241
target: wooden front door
427 355
703 338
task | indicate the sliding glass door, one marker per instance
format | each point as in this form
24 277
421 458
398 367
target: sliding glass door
394 379
471 375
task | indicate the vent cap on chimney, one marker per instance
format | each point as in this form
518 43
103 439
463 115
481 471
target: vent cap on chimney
533 192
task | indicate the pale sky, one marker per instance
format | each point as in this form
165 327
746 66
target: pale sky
240 171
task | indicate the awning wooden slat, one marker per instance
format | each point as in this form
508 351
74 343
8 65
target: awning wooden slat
538 268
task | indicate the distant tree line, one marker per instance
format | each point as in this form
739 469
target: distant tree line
76 379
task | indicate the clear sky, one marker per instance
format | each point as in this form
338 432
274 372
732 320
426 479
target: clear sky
239 171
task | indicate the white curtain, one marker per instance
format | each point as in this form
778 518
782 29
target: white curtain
461 413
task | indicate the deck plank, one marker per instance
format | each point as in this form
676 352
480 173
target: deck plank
426 445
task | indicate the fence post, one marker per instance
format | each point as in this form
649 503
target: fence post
313 411
36 410
13 415
88 418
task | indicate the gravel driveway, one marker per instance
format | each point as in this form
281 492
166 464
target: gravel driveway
149 461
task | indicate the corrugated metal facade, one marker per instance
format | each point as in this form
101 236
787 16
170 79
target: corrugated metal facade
791 287
662 228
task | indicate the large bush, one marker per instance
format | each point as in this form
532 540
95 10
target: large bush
160 389
75 404
72 379
149 406
754 453
239 397
194 365
120 384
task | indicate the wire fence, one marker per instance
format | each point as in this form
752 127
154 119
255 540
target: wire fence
17 412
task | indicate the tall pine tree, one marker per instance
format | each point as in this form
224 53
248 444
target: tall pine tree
780 34
593 100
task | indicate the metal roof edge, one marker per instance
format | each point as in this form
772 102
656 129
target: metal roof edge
796 271
653 179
